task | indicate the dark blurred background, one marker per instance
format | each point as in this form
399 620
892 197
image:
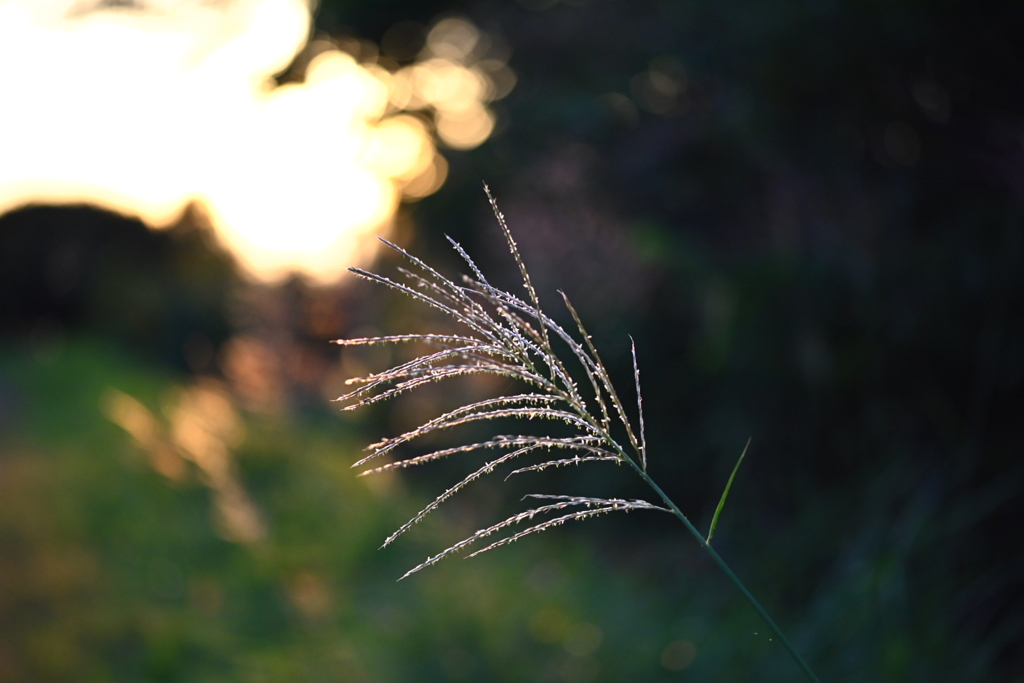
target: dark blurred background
809 215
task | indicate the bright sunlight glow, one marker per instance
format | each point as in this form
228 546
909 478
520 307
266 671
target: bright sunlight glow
146 107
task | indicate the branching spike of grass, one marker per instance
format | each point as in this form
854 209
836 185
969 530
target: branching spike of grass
512 337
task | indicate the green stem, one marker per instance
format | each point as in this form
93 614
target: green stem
728 572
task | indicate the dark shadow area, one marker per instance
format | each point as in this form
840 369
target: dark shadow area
79 270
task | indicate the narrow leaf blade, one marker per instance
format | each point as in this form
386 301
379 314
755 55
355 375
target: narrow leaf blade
725 493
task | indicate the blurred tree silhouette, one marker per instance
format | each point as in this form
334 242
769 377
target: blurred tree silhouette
68 270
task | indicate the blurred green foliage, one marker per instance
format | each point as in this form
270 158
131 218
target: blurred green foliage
113 572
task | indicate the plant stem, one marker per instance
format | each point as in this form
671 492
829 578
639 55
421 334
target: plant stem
728 572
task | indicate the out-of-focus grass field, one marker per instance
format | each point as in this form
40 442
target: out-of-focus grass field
112 571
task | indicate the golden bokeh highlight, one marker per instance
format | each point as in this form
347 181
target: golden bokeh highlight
145 111
202 427
455 83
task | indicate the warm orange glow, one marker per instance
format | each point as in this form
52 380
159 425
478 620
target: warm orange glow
204 426
143 111
465 129
429 181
